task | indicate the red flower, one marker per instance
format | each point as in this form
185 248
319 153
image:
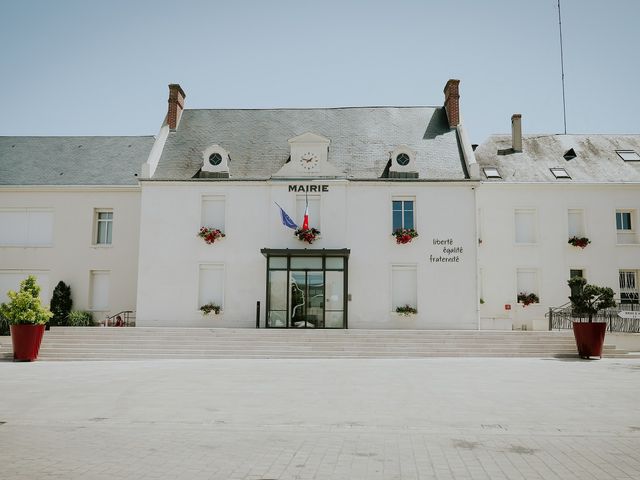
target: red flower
210 235
404 235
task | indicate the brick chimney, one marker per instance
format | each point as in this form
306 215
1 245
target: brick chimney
176 105
516 132
452 102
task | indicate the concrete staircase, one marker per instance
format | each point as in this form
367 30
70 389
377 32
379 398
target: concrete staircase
99 343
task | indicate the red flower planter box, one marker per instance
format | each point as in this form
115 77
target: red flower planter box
589 338
26 341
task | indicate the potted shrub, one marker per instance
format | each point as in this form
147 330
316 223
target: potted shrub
26 317
404 235
587 300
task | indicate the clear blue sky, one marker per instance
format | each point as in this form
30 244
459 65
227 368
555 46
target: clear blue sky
88 67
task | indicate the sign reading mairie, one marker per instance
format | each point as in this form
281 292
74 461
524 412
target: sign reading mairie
309 188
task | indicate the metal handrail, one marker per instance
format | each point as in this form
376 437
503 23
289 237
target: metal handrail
563 317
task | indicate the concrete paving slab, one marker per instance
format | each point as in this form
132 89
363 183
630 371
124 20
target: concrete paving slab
321 419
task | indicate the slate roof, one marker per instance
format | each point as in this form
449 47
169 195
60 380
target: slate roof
72 160
361 139
596 159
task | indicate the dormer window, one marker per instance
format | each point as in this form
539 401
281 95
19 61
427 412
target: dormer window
215 163
402 163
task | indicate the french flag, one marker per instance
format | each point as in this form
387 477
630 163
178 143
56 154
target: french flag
305 221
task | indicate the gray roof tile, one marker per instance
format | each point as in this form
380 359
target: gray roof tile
72 160
596 159
361 139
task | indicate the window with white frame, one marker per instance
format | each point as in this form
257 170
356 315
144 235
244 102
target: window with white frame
527 281
213 212
211 284
403 213
525 226
626 227
404 286
26 227
576 223
103 226
314 210
99 290
624 220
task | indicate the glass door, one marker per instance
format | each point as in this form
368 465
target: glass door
306 299
305 290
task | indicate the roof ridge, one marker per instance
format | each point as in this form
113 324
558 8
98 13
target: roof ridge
316 108
76 136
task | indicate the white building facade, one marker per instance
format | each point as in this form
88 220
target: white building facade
539 192
118 219
70 211
363 172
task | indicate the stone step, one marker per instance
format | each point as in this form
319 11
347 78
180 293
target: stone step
294 341
82 343
373 355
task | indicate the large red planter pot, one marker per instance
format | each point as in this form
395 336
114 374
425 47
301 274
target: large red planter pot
589 338
26 341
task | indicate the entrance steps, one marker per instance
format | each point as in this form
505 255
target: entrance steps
141 343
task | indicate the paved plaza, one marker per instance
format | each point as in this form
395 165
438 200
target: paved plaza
321 419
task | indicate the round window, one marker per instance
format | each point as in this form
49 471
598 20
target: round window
403 159
215 159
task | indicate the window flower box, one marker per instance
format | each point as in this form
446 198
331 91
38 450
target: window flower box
406 310
404 235
308 235
579 241
527 298
210 307
210 235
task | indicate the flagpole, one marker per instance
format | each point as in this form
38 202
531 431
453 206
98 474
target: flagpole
564 105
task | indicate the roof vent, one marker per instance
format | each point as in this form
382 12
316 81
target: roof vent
570 154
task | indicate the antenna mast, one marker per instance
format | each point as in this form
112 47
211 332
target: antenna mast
564 105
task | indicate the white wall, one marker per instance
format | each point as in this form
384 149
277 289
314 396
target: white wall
552 257
72 254
355 215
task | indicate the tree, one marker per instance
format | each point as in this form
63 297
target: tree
589 299
61 303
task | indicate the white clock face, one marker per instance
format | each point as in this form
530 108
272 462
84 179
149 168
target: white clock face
308 160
